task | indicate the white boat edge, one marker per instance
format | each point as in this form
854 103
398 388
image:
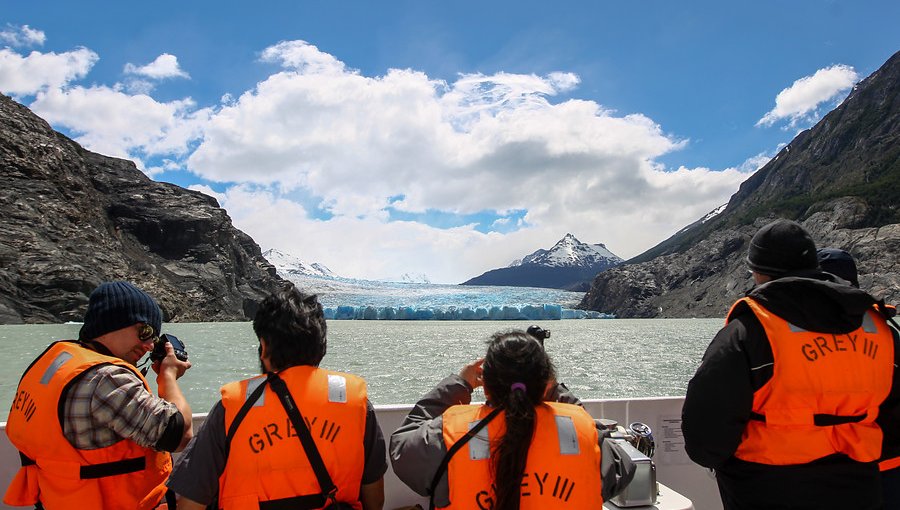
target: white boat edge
674 470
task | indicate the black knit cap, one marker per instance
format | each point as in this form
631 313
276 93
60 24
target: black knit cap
782 247
116 305
839 263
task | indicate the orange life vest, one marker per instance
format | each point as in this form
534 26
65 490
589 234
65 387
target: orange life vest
824 393
563 466
123 476
265 458
890 463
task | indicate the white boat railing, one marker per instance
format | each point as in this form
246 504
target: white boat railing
663 415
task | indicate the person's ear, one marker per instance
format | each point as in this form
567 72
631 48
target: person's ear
262 349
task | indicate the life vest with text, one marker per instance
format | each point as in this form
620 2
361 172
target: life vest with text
123 476
266 463
824 393
563 466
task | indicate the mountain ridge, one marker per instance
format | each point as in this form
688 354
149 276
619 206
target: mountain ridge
71 218
840 179
569 265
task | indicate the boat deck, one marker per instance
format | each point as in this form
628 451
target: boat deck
684 482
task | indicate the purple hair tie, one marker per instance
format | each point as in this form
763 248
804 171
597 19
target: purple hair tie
518 386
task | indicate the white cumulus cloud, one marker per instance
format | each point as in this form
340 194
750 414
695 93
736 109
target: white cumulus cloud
114 123
22 36
27 75
165 66
482 146
479 143
801 100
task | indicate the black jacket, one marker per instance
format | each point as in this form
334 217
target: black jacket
739 361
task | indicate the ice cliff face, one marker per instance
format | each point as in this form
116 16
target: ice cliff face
289 265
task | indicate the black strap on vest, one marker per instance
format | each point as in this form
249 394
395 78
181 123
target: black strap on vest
329 490
119 467
242 412
822 420
26 460
453 449
295 503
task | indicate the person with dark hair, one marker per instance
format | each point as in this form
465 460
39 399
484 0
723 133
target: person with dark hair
298 436
518 445
89 431
797 397
839 263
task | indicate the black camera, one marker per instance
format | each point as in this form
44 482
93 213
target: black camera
539 333
159 348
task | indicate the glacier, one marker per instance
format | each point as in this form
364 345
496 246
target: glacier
355 299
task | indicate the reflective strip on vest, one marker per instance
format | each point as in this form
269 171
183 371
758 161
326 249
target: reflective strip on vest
480 445
337 388
568 439
54 367
252 384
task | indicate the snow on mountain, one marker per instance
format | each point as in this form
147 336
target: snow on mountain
569 264
714 213
570 252
289 265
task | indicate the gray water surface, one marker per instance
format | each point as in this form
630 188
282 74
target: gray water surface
401 360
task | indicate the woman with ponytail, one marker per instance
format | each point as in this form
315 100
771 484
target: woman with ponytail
517 451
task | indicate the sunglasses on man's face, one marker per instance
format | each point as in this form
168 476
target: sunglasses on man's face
146 333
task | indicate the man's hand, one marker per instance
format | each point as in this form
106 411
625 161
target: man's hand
171 365
472 373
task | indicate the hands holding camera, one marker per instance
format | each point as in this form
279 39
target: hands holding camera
169 357
472 373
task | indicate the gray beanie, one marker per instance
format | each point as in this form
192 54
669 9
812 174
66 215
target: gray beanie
782 247
116 305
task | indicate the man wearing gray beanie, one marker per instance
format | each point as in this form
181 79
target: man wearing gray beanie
88 429
796 398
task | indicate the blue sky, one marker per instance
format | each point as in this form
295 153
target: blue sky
444 139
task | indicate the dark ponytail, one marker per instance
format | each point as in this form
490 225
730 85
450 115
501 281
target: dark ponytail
516 372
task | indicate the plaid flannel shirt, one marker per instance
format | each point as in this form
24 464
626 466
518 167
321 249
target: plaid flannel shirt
109 403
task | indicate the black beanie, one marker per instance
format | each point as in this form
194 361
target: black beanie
116 305
782 247
839 263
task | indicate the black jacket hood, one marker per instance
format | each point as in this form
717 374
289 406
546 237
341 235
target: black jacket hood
815 301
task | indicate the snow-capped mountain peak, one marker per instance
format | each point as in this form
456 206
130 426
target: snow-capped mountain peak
287 265
570 252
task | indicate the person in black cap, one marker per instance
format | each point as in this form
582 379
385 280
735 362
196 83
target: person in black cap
839 263
89 431
796 397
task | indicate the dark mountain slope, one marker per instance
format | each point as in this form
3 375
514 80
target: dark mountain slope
70 218
841 179
569 264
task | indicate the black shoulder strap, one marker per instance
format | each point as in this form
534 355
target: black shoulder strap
309 446
242 412
453 449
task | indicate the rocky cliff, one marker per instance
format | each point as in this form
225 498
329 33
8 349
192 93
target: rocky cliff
840 179
70 218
